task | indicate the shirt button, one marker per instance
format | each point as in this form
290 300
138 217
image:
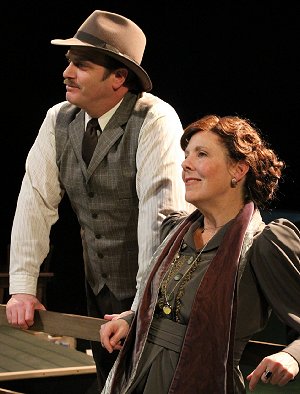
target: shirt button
178 276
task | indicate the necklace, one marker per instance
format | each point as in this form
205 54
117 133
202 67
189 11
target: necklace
211 228
173 272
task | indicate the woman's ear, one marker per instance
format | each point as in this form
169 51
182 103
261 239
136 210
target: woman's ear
239 170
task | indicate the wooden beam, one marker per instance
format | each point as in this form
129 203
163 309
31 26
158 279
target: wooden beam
62 324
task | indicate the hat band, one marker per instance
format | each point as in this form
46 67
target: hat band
90 39
97 42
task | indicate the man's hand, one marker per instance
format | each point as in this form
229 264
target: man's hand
277 369
20 310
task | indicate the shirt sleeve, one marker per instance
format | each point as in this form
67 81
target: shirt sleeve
36 210
159 183
276 263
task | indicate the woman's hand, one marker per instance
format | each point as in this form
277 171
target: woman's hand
112 333
277 369
116 316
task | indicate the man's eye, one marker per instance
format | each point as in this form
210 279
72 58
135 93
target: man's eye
78 64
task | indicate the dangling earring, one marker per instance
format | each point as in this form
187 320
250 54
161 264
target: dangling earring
233 183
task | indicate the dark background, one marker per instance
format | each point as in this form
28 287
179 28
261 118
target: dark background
226 57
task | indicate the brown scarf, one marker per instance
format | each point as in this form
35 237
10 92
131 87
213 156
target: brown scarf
209 339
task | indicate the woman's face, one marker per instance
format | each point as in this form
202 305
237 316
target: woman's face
206 169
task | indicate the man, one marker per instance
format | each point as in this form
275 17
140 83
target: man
121 186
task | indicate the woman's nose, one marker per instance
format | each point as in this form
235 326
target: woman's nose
186 163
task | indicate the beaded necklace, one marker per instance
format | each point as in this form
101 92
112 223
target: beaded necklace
182 279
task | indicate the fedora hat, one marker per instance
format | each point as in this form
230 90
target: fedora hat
115 36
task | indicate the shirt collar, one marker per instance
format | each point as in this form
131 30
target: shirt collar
105 118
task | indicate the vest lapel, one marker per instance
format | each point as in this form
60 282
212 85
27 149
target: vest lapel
109 136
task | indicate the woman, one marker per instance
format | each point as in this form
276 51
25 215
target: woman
216 276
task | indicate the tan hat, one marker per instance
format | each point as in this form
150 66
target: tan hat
115 36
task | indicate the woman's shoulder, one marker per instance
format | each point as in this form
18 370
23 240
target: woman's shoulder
171 221
281 231
278 241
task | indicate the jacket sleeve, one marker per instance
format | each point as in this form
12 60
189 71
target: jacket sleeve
276 262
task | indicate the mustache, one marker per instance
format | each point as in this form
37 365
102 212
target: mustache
69 82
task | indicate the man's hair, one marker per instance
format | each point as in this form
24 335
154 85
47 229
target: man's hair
97 57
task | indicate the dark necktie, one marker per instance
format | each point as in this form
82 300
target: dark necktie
90 140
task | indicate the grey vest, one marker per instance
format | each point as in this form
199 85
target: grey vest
103 196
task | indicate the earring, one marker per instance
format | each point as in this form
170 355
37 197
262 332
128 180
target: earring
233 183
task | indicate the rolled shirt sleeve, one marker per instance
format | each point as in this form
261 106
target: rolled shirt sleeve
36 210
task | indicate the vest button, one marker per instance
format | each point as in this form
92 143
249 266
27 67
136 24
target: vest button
94 215
104 275
100 255
91 194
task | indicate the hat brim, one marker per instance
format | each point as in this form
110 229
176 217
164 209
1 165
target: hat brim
132 65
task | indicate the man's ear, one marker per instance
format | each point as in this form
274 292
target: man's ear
120 77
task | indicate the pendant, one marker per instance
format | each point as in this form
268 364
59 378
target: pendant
167 309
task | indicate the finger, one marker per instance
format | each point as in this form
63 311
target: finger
107 336
9 316
41 307
115 340
18 319
106 345
118 347
255 376
29 316
253 380
111 317
283 379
